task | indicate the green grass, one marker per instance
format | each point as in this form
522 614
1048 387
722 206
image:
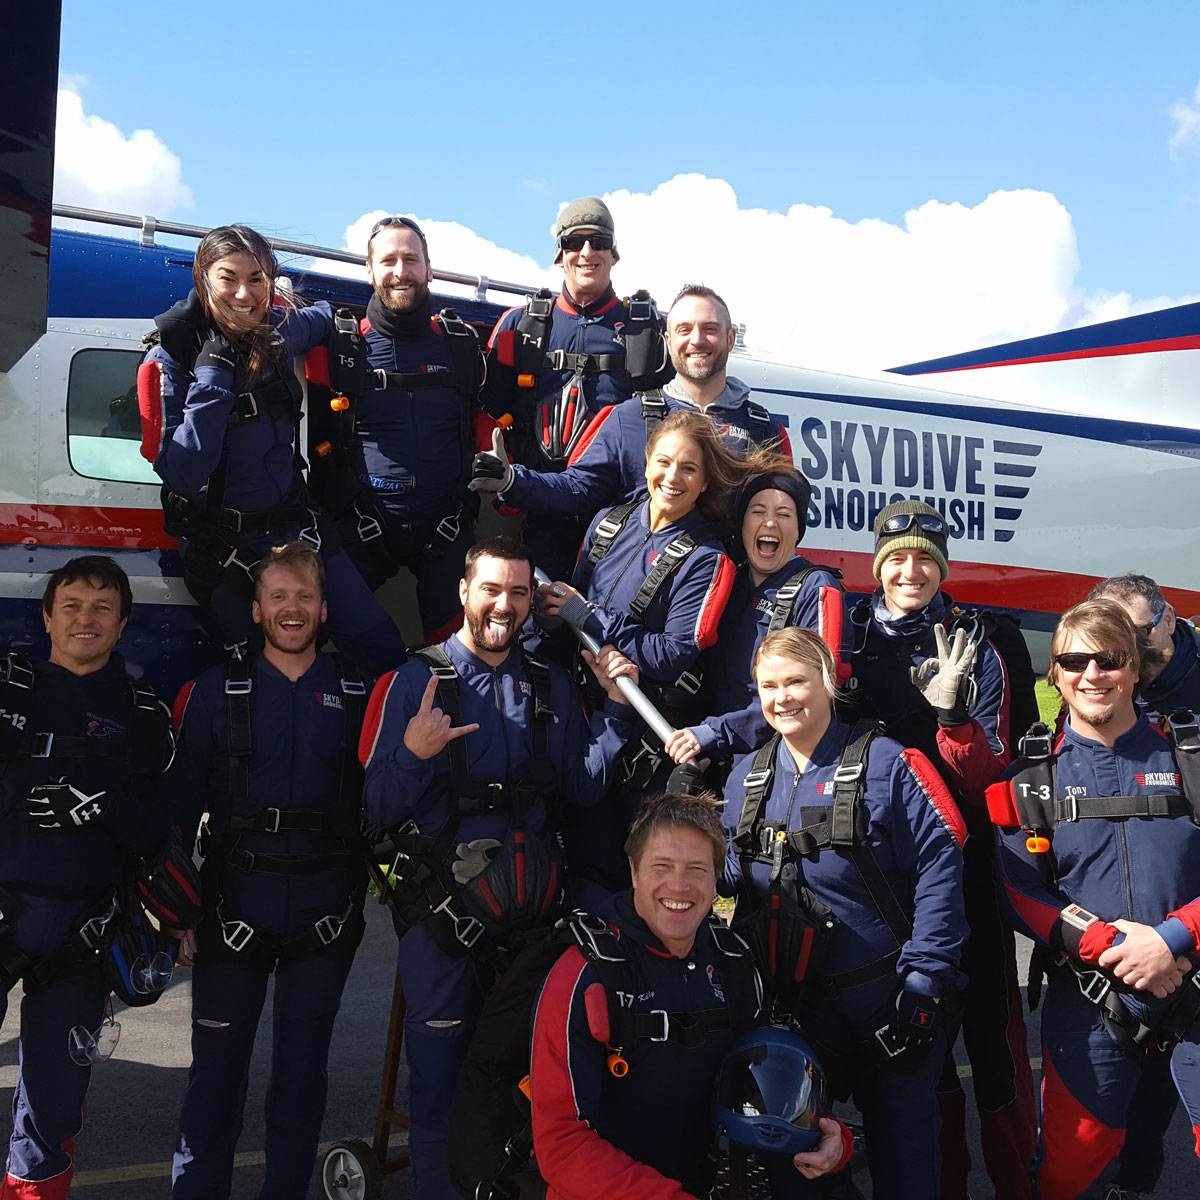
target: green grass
1048 701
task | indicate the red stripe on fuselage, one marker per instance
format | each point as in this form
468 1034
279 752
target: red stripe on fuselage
1004 586
1158 346
83 525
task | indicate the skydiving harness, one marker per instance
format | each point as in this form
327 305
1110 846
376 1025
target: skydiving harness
783 607
421 883
840 826
1029 801
223 851
682 693
759 424
146 749
560 418
214 532
336 476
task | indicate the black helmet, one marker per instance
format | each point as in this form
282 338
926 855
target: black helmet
519 890
770 1093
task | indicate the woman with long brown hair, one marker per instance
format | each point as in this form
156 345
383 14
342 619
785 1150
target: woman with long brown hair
652 580
221 409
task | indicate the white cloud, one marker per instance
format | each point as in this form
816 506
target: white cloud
1186 118
821 291
98 166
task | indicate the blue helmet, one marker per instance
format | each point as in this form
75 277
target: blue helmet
770 1093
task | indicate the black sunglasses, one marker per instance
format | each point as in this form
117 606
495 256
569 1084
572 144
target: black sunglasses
384 222
1076 661
576 241
926 521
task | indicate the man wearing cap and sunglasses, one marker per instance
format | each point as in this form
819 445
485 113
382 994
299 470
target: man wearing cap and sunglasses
935 675
399 491
1100 861
557 362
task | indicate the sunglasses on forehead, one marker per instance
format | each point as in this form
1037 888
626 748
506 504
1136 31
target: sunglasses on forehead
1076 661
929 522
384 222
576 241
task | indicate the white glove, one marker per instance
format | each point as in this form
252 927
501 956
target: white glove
946 681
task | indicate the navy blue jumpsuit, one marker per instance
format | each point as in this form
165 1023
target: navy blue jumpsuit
915 833
58 879
415 444
1140 869
300 760
441 996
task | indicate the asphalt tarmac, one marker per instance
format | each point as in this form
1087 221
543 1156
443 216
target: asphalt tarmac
125 1147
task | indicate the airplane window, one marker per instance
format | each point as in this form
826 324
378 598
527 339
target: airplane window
104 430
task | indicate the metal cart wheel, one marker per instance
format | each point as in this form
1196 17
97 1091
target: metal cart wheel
350 1171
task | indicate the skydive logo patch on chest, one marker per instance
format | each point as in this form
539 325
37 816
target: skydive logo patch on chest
826 788
1159 779
328 700
103 727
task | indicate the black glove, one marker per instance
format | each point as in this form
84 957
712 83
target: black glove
689 777
905 1041
490 469
217 351
61 806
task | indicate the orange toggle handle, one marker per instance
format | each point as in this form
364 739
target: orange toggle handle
323 449
618 1065
526 381
339 403
505 421
1036 844
526 1088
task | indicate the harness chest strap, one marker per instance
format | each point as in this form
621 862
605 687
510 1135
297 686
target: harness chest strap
147 748
644 357
239 690
654 412
839 826
1029 799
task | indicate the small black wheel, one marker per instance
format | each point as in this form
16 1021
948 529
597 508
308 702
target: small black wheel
350 1171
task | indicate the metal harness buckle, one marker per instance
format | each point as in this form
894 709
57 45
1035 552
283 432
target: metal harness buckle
467 930
43 744
755 779
368 528
1094 986
232 560
640 310
238 687
271 818
665 1020
247 406
449 528
92 930
687 682
236 934
311 533
848 773
329 928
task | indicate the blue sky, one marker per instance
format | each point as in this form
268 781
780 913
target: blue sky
301 118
